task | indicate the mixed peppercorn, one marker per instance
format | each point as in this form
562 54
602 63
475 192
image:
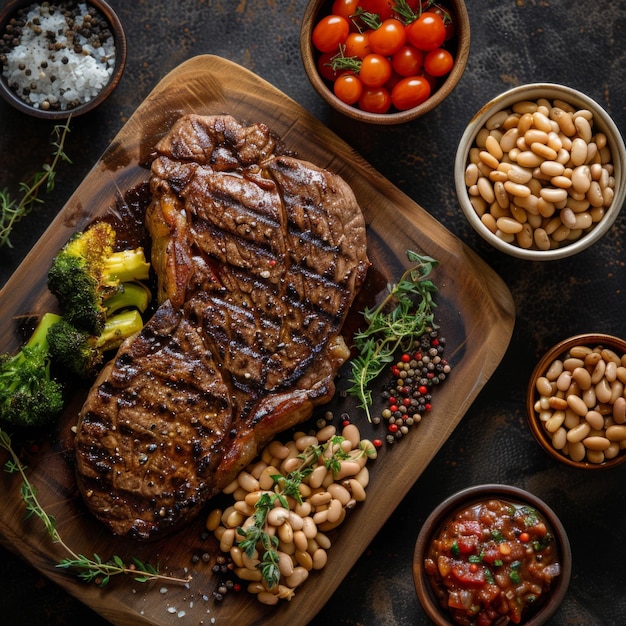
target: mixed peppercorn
409 394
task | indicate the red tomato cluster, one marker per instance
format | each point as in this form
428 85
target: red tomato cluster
381 55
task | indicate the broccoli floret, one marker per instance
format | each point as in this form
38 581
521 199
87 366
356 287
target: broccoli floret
100 295
81 352
29 396
87 272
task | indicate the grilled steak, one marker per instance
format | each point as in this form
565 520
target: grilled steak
259 256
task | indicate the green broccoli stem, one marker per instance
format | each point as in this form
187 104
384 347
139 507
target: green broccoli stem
82 352
135 295
117 328
127 265
40 334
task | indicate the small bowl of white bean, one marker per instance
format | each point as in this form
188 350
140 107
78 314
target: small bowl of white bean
576 401
539 172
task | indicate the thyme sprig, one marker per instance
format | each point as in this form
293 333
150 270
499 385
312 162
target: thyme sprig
256 536
398 320
13 210
90 569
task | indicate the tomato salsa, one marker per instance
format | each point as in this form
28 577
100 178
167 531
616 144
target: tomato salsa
492 562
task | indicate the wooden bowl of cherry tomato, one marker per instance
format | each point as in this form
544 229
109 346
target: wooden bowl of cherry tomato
385 61
492 554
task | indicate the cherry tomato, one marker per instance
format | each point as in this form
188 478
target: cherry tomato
384 8
388 38
393 81
431 80
427 32
375 100
410 92
357 45
329 32
344 8
375 70
438 62
325 68
447 20
408 61
348 88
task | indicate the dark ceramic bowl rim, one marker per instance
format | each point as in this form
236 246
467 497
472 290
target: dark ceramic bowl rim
311 12
478 493
120 61
559 349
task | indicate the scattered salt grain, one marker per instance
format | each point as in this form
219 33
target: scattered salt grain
60 55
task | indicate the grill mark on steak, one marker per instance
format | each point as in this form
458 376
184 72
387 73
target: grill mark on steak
162 400
259 256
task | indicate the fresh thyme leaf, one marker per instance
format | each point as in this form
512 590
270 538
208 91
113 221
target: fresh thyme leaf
12 210
393 325
269 564
283 500
92 569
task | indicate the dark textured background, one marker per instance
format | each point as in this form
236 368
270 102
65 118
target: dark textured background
575 42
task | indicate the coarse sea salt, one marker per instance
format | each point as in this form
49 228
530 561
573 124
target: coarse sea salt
54 66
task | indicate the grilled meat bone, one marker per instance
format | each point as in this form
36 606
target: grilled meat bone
259 256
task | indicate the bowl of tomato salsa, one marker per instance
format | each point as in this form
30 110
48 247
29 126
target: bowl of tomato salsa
384 61
489 555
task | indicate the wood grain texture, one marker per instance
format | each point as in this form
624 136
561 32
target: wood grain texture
475 312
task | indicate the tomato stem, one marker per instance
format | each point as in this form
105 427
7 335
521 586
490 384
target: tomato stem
408 15
371 20
342 62
405 11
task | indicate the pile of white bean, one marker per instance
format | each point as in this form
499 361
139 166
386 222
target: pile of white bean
582 403
538 177
301 528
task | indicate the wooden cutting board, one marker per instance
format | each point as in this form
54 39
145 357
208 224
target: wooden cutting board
475 312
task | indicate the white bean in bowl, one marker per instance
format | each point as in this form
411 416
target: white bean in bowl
539 172
577 401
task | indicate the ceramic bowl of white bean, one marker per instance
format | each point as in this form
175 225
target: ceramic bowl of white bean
539 172
576 401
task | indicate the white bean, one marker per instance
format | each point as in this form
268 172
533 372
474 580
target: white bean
581 403
541 160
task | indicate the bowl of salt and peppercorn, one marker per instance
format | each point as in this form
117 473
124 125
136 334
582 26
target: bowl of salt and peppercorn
59 58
